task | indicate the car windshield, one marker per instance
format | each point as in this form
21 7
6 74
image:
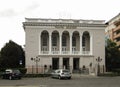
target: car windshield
66 71
7 71
16 71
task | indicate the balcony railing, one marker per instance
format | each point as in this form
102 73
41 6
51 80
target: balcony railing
65 53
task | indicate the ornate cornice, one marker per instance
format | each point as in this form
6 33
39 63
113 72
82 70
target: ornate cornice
63 25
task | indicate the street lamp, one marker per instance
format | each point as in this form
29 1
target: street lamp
20 62
98 69
36 60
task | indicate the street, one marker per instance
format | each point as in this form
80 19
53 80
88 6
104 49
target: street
81 81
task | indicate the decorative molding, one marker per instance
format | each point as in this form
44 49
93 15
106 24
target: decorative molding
63 25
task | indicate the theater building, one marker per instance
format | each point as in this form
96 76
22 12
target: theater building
64 43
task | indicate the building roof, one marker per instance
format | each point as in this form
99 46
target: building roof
114 18
64 21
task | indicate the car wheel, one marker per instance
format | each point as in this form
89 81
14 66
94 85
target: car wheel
69 77
10 77
19 78
2 77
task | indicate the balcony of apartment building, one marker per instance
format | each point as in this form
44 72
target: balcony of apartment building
116 32
117 23
65 44
117 28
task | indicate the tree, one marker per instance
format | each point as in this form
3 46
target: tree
11 55
112 55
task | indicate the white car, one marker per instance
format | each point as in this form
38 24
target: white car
61 73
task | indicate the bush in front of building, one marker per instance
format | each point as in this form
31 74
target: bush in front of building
23 70
36 75
114 72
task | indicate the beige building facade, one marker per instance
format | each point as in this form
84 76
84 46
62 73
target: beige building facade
112 30
64 43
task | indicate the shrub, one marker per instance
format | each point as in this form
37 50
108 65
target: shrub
2 69
116 71
37 75
23 70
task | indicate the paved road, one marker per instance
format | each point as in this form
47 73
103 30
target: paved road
82 81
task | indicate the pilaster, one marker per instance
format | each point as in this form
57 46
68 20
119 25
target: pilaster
60 41
71 64
60 63
91 44
50 43
80 44
40 44
70 43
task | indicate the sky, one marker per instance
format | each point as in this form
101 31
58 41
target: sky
14 12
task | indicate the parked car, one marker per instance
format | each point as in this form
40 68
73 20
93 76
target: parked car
11 74
61 73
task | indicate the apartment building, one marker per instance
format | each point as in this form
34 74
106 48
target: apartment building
64 44
113 29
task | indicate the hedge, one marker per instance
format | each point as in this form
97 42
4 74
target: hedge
37 75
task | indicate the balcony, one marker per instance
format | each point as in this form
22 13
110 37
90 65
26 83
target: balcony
117 23
117 36
65 53
116 29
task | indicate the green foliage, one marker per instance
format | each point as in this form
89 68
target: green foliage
36 75
112 55
23 70
11 54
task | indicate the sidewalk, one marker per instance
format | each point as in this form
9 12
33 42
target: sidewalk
83 75
25 86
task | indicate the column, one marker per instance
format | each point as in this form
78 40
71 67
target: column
50 44
60 45
71 64
60 63
40 44
80 44
70 43
91 44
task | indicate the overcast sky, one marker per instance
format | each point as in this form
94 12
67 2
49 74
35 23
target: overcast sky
13 13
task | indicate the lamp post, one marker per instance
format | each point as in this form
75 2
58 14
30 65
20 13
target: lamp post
36 60
20 62
98 69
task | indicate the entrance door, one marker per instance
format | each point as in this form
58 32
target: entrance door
76 64
55 63
66 63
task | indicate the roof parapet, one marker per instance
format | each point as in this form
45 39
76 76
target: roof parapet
64 21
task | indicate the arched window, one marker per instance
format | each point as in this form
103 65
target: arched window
64 41
83 42
45 38
44 41
86 41
54 41
55 38
73 41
